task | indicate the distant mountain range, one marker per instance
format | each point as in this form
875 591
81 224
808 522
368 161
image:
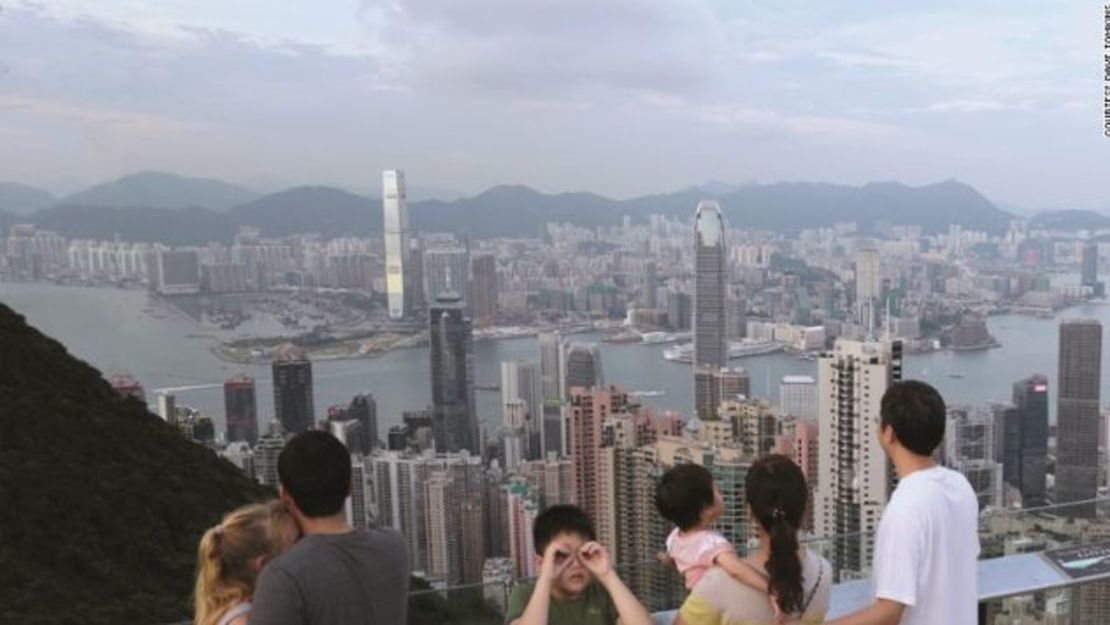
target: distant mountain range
151 189
177 210
20 199
1070 220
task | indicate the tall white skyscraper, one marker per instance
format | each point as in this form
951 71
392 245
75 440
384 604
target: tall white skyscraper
853 473
710 349
396 228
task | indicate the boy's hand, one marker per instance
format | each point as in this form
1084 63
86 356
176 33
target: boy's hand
556 558
596 560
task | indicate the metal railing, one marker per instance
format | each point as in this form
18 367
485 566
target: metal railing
1013 543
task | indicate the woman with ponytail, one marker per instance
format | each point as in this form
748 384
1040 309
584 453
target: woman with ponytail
230 557
797 579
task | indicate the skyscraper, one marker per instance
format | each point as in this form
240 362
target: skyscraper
521 380
1089 264
798 397
868 284
240 409
709 286
1025 440
293 400
523 507
266 455
1077 412
364 409
551 366
396 229
446 270
710 348
483 288
583 366
167 408
513 436
853 475
455 421
969 449
551 387
589 408
648 295
732 382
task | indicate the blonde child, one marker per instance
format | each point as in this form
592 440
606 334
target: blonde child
232 554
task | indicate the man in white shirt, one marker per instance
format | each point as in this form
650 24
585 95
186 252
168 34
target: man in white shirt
925 570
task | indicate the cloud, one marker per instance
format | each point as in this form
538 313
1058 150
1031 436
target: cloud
545 48
970 106
94 116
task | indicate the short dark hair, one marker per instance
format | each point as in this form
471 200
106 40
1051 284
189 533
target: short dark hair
683 492
561 519
917 414
315 469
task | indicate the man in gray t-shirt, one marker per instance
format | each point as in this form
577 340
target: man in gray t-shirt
335 575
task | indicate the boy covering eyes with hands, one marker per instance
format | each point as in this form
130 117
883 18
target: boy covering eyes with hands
576 584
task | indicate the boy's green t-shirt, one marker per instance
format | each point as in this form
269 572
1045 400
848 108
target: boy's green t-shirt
593 607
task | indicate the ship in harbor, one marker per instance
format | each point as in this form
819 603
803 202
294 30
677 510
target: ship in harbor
684 352
660 338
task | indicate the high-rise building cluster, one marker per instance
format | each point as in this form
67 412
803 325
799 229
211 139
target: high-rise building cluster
464 488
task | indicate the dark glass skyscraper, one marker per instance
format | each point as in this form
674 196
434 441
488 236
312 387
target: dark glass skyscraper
455 422
1077 411
293 401
364 409
1025 440
240 409
1089 264
583 367
710 348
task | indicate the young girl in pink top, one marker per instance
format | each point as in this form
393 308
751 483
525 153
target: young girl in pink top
687 497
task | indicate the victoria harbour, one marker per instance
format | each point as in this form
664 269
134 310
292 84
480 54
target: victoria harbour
109 329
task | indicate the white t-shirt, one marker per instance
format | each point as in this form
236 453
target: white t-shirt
927 548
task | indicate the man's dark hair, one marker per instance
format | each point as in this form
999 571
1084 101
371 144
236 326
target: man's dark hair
917 414
683 492
315 469
561 519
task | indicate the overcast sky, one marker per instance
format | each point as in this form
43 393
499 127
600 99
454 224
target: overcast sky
620 97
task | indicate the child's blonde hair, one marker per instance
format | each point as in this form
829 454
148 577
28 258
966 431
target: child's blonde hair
225 559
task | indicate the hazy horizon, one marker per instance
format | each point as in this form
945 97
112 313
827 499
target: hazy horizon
622 99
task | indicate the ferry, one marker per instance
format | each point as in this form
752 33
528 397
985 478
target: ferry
684 353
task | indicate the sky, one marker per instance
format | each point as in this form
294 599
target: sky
618 97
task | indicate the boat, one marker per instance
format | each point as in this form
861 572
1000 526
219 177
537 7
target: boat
737 349
658 338
747 347
958 376
680 353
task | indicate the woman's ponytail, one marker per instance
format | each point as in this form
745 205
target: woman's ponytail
784 568
776 492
